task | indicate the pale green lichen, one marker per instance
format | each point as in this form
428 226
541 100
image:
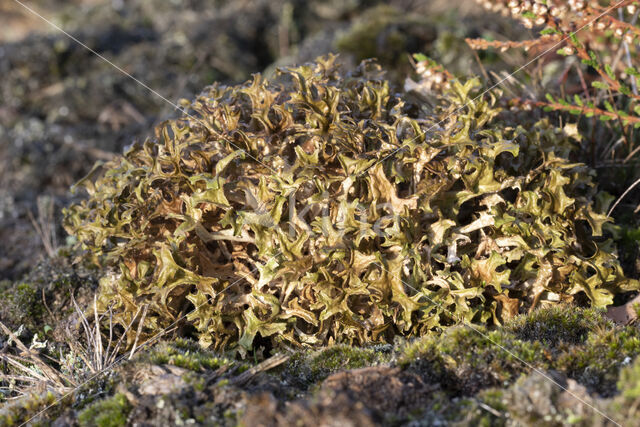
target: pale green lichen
325 207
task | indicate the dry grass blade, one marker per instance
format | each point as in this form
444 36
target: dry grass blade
24 368
91 360
94 354
36 372
631 187
97 341
140 325
45 225
264 366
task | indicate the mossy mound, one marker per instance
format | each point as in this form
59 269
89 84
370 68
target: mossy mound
110 412
309 368
555 326
470 358
42 301
26 409
188 355
325 207
386 33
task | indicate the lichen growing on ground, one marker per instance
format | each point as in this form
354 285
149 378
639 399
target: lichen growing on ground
326 207
383 239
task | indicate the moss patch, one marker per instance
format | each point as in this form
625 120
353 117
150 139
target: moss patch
311 367
109 412
581 344
22 304
558 325
466 359
189 355
629 382
25 409
596 364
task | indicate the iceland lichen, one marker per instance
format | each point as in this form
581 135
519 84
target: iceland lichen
326 207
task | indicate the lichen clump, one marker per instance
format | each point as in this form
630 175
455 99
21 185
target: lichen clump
324 207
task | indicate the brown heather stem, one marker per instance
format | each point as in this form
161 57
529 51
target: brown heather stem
610 20
583 110
582 53
482 44
613 22
614 85
619 119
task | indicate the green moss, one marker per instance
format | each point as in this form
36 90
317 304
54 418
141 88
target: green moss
466 359
629 381
23 302
471 412
25 409
26 296
189 355
194 380
597 363
625 405
495 399
342 357
22 305
311 367
557 324
582 344
110 412
223 383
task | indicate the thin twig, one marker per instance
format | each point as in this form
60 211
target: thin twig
623 196
139 331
